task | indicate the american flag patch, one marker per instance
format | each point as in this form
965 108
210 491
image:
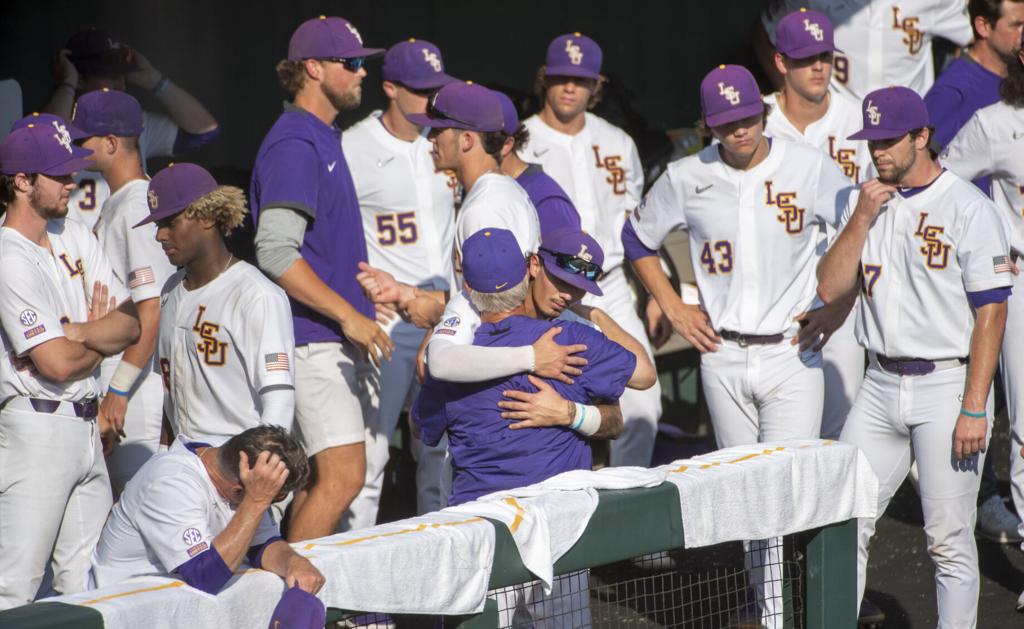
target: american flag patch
1001 264
141 277
276 362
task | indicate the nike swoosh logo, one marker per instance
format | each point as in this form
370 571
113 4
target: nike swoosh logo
539 152
381 163
501 286
330 167
701 189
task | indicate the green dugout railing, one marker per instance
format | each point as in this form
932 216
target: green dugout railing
627 523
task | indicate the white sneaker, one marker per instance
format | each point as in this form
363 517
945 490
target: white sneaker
997 523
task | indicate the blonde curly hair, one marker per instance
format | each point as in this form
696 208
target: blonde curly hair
225 205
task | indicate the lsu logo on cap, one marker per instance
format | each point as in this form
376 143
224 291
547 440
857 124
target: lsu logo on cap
154 200
574 52
584 255
432 59
62 136
352 29
873 114
814 29
730 93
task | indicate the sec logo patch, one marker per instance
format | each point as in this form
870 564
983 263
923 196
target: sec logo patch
451 322
28 317
191 537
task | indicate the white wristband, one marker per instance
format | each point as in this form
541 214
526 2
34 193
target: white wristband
588 420
124 378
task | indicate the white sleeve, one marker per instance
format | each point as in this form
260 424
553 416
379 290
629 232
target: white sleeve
969 154
278 407
29 315
660 212
148 266
984 247
158 135
98 267
833 191
634 175
952 22
269 343
175 535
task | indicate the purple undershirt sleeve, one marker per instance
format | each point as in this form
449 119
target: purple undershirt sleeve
632 246
990 296
185 142
206 571
255 553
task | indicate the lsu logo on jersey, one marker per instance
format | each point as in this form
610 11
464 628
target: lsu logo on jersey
789 214
213 350
936 253
616 173
913 38
432 59
845 159
74 270
730 93
574 52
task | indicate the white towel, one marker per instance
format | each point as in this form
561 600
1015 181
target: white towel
771 489
546 519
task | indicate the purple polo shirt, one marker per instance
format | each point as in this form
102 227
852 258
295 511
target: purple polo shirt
301 166
964 88
487 455
554 209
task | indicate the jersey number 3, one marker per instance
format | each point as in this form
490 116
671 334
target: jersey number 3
399 227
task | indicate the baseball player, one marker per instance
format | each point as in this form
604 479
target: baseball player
751 206
408 209
56 289
225 347
93 59
306 206
883 43
805 111
197 511
989 145
931 254
133 392
598 166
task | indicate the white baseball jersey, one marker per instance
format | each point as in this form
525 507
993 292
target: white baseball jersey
752 233
219 346
883 42
599 168
39 292
992 143
92 191
496 200
926 250
169 513
408 206
828 134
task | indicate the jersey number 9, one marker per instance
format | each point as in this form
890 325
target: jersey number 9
841 69
399 227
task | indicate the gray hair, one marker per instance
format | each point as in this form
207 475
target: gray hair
501 302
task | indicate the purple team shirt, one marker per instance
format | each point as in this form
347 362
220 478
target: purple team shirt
554 209
301 166
487 456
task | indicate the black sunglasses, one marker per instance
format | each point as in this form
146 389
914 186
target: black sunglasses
575 265
434 112
352 64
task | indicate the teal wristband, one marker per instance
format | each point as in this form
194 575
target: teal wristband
117 391
967 413
580 415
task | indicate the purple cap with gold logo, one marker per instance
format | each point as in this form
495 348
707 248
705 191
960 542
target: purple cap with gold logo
729 93
325 37
175 188
492 261
573 54
803 34
416 64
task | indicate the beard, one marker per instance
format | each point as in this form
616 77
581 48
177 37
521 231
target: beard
52 210
343 101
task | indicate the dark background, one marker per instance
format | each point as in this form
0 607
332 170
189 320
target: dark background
224 52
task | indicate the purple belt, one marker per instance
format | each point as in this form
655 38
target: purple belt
85 410
915 366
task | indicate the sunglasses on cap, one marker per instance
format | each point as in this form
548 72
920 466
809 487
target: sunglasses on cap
434 112
352 64
576 266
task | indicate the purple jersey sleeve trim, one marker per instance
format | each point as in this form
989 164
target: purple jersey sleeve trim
631 244
206 571
255 553
990 296
185 142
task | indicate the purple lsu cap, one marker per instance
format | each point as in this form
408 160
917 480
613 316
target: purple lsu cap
42 148
573 54
324 37
729 93
509 115
803 34
175 188
462 105
575 244
298 609
890 112
95 51
416 64
48 120
108 112
492 261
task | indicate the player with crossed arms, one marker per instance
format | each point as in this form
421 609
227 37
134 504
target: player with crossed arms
931 253
752 208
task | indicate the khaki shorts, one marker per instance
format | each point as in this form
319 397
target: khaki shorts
337 393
